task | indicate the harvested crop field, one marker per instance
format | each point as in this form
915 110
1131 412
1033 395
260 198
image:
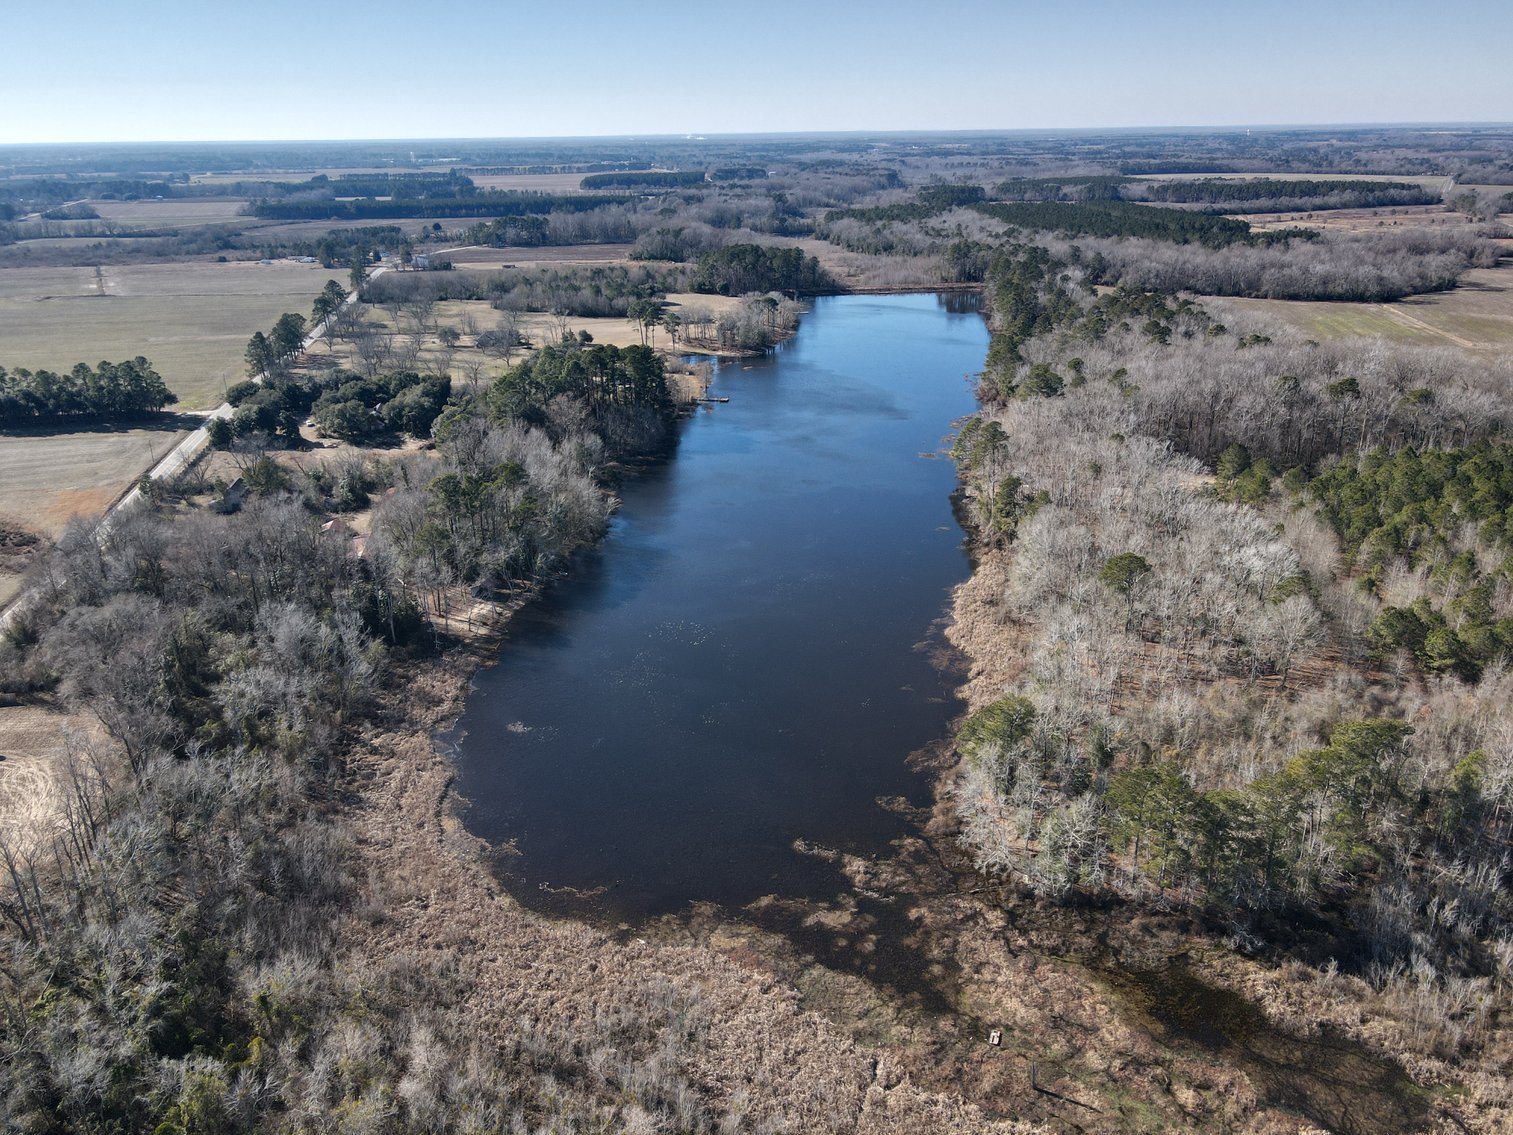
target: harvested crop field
191 320
177 212
1359 220
50 477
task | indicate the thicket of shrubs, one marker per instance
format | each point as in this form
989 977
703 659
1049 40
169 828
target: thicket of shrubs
1170 490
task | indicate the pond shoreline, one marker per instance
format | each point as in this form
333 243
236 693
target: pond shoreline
914 961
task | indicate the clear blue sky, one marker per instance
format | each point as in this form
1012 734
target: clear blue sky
108 70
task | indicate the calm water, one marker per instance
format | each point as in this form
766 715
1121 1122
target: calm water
747 658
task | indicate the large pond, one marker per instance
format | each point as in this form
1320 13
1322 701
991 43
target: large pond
753 653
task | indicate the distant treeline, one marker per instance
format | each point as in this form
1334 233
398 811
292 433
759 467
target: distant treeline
1154 168
738 173
1257 195
531 231
596 291
1371 267
109 390
477 205
1095 215
42 193
643 179
930 201
1120 218
410 185
1093 188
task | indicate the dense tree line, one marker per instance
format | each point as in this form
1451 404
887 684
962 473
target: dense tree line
589 292
107 392
482 204
398 185
1097 187
1120 219
1369 267
643 179
346 405
1274 195
738 173
678 243
737 269
1205 385
620 393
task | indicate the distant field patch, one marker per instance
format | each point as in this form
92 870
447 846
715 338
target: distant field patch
191 320
171 213
1323 320
1476 316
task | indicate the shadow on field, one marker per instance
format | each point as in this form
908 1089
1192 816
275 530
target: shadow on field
162 423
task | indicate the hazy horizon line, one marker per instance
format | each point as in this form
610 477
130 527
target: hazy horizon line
708 135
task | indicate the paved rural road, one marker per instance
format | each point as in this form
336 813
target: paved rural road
179 458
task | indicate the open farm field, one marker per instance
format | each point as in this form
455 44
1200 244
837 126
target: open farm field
51 477
1329 320
1476 316
191 320
171 213
1357 220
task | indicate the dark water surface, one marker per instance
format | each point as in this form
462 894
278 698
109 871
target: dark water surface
747 659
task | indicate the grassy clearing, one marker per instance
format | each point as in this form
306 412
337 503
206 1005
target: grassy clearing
191 320
1324 320
1477 316
50 477
32 746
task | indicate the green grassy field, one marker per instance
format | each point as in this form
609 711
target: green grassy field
191 320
